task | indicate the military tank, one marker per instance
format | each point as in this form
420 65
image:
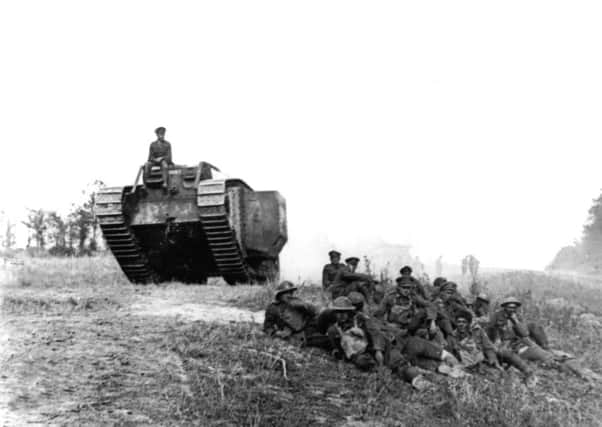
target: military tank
193 227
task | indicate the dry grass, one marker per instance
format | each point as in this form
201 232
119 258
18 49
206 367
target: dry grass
77 354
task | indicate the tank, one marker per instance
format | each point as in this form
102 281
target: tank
193 227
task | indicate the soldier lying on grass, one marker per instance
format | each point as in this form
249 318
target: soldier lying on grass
292 319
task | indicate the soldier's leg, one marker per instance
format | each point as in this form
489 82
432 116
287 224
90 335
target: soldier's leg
334 337
401 367
513 359
535 353
147 169
537 334
363 361
165 173
423 353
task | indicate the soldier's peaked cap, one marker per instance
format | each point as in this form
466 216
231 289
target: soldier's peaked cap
406 269
160 129
451 286
439 281
284 287
333 252
342 304
511 301
352 259
401 280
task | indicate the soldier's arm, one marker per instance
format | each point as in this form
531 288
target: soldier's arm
429 307
444 323
486 346
417 321
519 327
150 153
373 331
306 307
349 276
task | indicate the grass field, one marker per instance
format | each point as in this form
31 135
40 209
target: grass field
80 345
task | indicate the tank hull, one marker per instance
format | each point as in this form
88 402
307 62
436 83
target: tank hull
193 230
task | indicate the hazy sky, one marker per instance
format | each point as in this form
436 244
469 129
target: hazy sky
456 127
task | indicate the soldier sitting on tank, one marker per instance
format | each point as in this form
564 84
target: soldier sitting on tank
159 154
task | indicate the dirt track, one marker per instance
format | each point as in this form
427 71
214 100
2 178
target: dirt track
69 355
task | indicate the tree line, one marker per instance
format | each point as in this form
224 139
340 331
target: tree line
73 234
585 254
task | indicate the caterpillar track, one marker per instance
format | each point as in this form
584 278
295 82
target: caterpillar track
221 237
119 238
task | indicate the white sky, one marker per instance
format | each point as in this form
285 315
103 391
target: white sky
456 127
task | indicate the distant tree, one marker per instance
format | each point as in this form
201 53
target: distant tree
36 223
591 241
83 224
58 229
9 237
567 258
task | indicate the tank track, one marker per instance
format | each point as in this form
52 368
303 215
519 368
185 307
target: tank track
122 242
211 201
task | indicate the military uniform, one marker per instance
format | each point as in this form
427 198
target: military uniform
474 346
159 153
508 340
408 313
347 281
360 340
329 274
293 319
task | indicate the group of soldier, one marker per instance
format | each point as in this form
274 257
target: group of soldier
412 327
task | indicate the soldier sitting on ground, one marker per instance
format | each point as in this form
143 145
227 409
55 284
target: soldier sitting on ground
159 154
327 317
507 333
527 348
406 274
349 280
435 288
408 313
452 300
331 270
473 344
481 308
357 338
291 318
